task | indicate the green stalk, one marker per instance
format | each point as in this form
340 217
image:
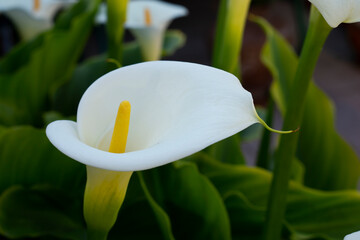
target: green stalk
229 34
314 41
116 16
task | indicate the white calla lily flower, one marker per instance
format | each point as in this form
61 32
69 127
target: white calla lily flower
32 17
338 11
353 236
148 21
177 109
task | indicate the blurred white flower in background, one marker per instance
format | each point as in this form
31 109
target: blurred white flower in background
32 17
148 20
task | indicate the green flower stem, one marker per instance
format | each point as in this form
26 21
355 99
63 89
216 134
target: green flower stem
229 34
314 41
116 16
104 194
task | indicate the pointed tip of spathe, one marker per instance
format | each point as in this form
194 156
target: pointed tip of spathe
114 61
262 122
296 130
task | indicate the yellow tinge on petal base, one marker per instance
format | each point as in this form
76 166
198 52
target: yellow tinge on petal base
105 190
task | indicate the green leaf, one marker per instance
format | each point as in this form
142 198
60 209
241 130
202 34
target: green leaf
68 96
227 150
139 217
27 158
136 222
160 214
247 220
32 71
330 163
39 211
309 212
190 200
173 40
52 116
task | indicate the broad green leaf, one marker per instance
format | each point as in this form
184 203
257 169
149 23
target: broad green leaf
51 116
309 212
68 96
136 222
32 71
39 211
195 208
297 171
161 215
27 158
140 216
330 163
227 150
247 220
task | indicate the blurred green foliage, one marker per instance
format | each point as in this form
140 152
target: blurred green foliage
329 161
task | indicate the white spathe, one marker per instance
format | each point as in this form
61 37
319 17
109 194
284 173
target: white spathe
150 36
353 236
177 109
30 21
338 11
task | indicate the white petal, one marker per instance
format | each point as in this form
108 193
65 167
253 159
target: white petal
101 16
25 6
354 15
177 109
353 236
151 41
334 11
